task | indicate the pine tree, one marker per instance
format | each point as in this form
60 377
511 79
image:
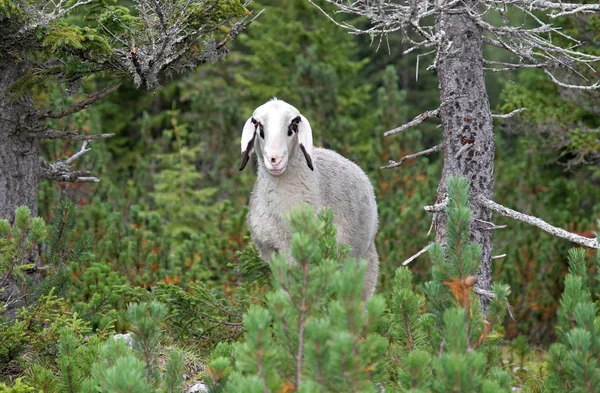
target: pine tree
18 254
574 364
315 333
441 342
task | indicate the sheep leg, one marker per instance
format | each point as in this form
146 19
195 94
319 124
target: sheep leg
371 273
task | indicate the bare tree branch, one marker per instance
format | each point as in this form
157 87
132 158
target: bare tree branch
463 149
483 292
438 207
490 225
71 135
81 105
531 220
61 170
557 8
507 115
79 153
423 250
416 121
41 17
394 164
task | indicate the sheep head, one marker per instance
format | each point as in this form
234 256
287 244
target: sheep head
276 131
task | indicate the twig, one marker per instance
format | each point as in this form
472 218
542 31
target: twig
531 220
463 149
81 104
71 135
416 121
507 115
79 153
483 292
61 170
394 164
499 256
492 226
423 250
569 86
438 207
235 32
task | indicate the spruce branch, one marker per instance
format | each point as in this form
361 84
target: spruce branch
531 220
393 164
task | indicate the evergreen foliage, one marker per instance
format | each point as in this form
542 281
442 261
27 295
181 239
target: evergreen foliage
315 333
18 242
442 342
574 363
167 224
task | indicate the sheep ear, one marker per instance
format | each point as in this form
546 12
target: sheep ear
305 140
248 135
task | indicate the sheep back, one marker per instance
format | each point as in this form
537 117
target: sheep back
336 183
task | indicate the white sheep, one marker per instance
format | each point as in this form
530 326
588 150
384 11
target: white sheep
292 172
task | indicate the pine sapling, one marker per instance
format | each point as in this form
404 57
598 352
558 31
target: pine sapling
442 342
574 360
315 334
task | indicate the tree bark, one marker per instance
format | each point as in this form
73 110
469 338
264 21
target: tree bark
467 125
19 167
19 151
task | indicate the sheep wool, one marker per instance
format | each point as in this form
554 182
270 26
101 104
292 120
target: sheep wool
291 172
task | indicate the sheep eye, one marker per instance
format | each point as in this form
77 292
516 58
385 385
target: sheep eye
293 127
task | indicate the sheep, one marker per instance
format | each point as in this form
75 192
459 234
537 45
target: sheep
292 172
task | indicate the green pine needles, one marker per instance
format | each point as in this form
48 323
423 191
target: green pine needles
315 335
441 342
574 364
18 242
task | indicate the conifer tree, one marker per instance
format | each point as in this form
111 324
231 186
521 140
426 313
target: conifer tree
18 248
449 347
315 333
85 49
574 364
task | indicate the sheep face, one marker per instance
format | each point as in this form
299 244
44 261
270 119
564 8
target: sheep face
276 131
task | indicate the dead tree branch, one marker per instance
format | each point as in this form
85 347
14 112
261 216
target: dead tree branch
81 105
508 115
394 164
414 122
61 170
533 44
438 207
531 220
423 250
70 135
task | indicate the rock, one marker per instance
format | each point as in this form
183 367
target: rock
198 388
128 337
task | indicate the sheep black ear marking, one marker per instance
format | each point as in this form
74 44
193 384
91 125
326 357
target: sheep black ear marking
307 156
246 153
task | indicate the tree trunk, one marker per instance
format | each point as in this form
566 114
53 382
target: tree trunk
467 125
19 166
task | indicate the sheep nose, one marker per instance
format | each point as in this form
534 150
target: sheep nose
275 160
